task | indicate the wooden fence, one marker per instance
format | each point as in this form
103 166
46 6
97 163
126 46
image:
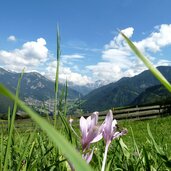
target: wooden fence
138 113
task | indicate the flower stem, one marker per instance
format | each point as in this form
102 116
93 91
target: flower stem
74 131
105 157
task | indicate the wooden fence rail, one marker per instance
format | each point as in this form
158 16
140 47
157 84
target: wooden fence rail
139 113
136 113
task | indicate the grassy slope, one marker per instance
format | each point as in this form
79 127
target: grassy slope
160 129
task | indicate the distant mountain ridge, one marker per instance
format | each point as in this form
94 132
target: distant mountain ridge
152 95
33 86
122 92
85 89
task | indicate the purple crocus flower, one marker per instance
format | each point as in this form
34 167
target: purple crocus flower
110 132
110 129
90 131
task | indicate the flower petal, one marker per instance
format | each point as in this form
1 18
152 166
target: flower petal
114 123
108 122
94 118
83 127
93 133
97 138
88 122
107 127
92 121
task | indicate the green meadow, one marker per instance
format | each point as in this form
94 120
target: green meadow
159 127
32 149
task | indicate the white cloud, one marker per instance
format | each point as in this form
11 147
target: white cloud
30 55
12 38
118 40
69 59
34 53
157 40
163 62
118 60
73 56
65 73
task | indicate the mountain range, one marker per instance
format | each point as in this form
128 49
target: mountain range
152 95
141 89
85 89
125 92
33 87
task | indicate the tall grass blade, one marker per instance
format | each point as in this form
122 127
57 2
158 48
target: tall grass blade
9 118
134 143
30 139
2 149
58 139
124 148
147 161
66 94
158 149
66 125
149 65
7 151
57 76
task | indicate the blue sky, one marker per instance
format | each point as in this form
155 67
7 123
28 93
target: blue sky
91 47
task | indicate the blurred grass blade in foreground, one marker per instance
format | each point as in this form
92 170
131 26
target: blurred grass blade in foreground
149 65
59 141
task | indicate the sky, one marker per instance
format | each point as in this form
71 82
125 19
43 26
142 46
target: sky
91 47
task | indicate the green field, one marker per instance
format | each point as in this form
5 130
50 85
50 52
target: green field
160 128
43 150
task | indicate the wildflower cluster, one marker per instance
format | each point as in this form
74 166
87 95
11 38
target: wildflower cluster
92 132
